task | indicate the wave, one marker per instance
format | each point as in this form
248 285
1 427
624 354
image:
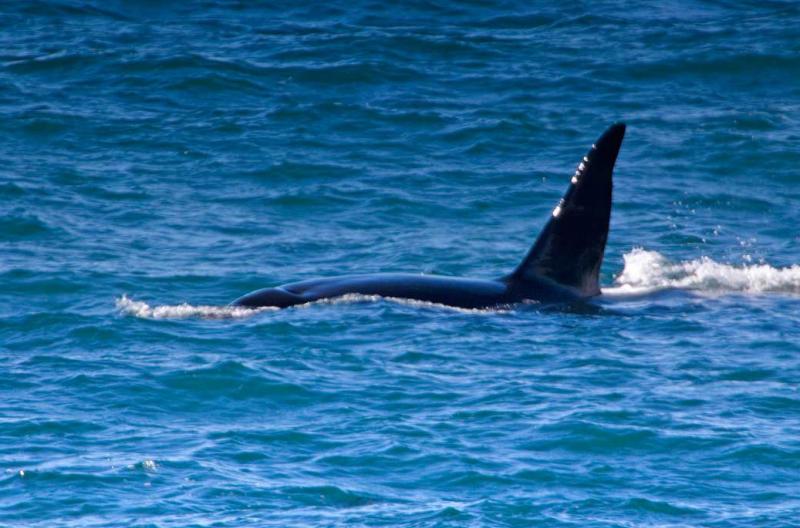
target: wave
141 309
647 271
644 272
357 297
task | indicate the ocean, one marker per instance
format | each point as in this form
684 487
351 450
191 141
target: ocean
160 159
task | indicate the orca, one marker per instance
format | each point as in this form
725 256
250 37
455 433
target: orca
563 265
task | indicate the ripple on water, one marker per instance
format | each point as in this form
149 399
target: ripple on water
25 227
231 379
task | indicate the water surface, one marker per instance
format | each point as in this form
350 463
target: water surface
158 161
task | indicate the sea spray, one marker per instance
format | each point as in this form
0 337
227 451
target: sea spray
141 309
650 270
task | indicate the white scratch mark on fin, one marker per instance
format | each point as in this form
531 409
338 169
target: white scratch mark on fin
559 208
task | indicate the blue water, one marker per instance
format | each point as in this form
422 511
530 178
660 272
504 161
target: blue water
159 160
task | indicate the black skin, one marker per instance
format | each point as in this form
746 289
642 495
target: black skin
449 291
563 265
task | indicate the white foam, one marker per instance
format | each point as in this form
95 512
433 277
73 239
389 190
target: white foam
646 271
182 311
356 297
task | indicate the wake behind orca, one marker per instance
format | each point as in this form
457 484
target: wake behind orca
562 266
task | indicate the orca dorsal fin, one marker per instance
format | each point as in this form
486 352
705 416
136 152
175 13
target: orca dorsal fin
569 250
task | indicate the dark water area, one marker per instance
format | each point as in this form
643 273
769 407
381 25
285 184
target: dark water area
159 160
